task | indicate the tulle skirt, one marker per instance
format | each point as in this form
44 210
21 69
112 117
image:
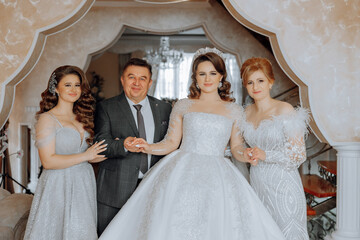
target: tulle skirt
189 196
64 205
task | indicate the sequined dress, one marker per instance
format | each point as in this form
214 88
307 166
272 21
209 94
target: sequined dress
64 204
276 180
195 193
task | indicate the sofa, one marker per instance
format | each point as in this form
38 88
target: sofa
14 212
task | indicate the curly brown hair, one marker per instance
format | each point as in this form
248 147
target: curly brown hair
83 108
219 64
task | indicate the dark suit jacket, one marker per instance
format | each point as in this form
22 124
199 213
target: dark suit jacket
118 175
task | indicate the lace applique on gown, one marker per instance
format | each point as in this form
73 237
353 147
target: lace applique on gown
64 204
276 180
194 193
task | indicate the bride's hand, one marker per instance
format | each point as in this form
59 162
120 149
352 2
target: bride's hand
134 145
257 154
248 153
129 144
142 145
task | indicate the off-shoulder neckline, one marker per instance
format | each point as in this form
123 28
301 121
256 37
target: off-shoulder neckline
214 114
194 100
225 105
273 117
81 136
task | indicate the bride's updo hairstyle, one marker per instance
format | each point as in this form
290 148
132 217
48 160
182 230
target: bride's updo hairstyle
218 62
83 108
254 64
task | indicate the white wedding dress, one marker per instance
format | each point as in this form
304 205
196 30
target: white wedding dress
195 193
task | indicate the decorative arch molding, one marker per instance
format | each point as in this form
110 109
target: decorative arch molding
285 65
216 42
102 26
7 90
209 35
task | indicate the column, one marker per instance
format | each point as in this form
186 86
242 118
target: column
348 193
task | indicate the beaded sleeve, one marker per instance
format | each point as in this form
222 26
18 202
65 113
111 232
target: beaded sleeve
291 152
173 136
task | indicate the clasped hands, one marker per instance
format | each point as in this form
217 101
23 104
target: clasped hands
134 144
253 155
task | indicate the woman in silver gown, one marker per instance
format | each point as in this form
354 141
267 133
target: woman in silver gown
275 132
64 205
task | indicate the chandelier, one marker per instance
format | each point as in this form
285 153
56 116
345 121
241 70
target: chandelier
164 57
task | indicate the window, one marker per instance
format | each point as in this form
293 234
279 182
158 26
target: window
173 82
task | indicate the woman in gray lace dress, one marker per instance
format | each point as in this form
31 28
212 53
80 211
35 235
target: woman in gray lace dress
64 205
275 132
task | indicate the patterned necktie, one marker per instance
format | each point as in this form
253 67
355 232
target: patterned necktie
142 134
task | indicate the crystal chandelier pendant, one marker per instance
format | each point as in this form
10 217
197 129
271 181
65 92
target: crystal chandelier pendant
164 57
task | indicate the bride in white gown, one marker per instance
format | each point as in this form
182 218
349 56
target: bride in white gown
195 193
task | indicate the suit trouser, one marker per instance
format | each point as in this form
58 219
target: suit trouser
105 214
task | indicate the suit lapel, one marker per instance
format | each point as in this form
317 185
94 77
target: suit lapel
126 112
157 121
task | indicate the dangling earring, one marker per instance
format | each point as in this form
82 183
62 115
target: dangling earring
197 85
221 83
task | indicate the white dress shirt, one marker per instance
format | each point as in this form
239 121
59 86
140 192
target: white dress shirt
148 122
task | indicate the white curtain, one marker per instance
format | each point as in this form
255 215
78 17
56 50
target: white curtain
172 82
233 72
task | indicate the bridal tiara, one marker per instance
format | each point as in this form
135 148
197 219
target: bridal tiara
203 51
52 84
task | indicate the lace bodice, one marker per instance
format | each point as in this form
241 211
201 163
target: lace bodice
207 133
281 137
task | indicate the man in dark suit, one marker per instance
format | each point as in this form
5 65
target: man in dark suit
118 120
